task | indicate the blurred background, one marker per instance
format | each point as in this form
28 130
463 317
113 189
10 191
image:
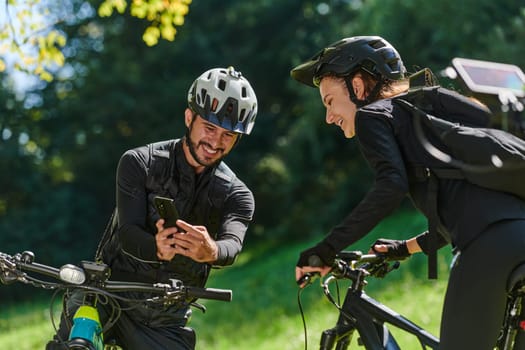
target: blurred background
61 140
61 136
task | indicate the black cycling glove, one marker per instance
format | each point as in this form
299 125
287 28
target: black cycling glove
397 249
322 250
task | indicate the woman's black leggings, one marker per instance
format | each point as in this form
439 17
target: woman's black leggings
476 295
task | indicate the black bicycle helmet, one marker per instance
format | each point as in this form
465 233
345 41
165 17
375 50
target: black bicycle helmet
372 54
225 98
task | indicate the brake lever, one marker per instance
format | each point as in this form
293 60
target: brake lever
199 306
307 278
384 268
7 270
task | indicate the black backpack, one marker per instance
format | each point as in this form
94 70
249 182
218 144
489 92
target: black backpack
487 157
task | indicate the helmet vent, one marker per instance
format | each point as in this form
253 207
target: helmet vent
242 115
229 109
243 92
222 85
202 96
214 104
393 65
377 44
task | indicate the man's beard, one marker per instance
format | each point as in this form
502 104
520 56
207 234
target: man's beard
192 147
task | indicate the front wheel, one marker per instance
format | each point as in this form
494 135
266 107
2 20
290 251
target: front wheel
80 344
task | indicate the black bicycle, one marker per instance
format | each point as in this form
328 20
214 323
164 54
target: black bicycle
371 319
87 332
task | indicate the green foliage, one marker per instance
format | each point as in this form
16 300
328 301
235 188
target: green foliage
162 16
441 31
28 36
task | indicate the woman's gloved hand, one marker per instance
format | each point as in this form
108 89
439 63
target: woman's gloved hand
392 248
321 251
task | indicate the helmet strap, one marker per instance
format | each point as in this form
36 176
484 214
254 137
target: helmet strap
368 99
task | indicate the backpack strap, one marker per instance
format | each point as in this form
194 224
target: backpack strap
421 173
435 226
422 79
220 186
110 228
431 176
160 167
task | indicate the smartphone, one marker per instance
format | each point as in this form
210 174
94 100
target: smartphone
167 210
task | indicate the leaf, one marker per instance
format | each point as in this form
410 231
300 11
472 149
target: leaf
120 5
139 10
105 9
151 36
168 32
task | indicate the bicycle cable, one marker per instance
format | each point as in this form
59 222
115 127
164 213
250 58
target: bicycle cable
52 316
332 300
299 291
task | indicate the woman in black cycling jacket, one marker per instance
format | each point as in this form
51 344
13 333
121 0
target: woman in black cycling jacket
357 78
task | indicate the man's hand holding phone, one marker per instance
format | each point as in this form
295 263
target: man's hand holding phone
167 211
165 240
166 227
175 236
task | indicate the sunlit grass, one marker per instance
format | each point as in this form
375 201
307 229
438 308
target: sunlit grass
26 326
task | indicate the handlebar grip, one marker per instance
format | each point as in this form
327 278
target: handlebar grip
210 293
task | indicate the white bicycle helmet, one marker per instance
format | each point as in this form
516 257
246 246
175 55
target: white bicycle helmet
225 98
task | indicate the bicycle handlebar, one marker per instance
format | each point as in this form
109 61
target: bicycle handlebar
353 265
95 277
210 293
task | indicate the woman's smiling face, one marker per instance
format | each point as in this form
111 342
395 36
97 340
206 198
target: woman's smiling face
339 108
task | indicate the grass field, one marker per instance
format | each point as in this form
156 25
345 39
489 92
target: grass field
264 312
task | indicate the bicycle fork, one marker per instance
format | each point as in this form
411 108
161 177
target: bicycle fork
341 334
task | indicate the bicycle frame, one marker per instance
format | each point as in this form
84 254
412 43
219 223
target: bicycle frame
371 319
368 316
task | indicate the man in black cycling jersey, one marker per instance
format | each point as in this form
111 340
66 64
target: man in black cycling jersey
215 208
357 78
